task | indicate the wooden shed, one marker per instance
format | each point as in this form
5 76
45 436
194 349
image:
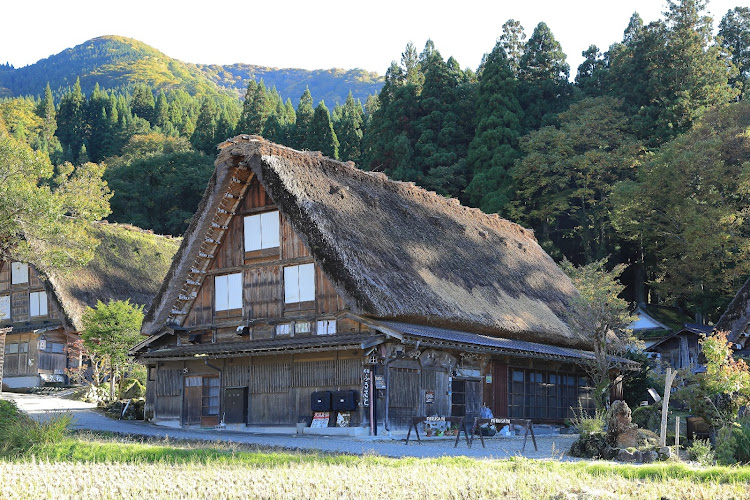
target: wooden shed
41 309
301 277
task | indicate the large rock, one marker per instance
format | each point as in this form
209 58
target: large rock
621 431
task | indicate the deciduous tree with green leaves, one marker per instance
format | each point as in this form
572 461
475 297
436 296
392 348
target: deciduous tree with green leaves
110 330
44 210
598 314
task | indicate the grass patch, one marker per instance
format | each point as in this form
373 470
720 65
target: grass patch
110 466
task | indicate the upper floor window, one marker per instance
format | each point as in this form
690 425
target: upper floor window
19 273
228 289
38 304
11 348
4 307
299 283
262 231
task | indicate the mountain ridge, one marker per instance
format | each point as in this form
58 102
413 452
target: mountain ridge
117 62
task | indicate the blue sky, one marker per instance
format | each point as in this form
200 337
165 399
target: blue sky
314 35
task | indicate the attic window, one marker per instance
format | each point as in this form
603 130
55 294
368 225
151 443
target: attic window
299 283
228 290
262 231
38 304
19 273
4 307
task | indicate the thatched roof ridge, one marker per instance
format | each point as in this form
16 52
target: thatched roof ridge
736 318
129 263
396 251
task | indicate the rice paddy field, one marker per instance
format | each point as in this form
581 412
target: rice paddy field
91 466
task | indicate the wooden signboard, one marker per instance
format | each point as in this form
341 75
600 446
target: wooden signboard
320 419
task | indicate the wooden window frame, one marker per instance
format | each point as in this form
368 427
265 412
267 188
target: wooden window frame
15 269
325 327
294 293
5 309
227 282
262 231
38 304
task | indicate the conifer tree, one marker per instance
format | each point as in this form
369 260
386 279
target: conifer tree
304 117
349 130
161 112
321 136
71 120
142 102
512 41
46 111
243 125
734 31
206 126
591 76
544 89
495 145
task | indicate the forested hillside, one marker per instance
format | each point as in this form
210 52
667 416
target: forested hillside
119 63
642 158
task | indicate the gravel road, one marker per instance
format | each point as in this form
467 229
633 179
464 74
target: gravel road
85 416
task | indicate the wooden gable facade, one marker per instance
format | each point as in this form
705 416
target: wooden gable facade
256 318
36 346
272 389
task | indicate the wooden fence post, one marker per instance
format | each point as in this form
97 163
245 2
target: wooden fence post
677 432
665 406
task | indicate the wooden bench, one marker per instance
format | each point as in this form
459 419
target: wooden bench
459 421
523 422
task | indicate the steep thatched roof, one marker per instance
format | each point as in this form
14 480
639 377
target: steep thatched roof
391 249
736 318
129 263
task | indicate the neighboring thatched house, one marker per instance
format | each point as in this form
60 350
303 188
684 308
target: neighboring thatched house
43 308
736 321
300 275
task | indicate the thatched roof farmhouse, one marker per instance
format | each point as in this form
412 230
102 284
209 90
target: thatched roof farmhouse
42 308
291 253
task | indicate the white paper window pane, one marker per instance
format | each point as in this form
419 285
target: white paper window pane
4 307
291 284
326 327
306 282
42 297
23 347
12 348
252 233
38 304
19 273
222 296
283 329
269 229
234 289
302 327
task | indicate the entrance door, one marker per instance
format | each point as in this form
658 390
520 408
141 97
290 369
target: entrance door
191 401
467 398
201 401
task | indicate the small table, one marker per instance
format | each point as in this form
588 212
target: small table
459 421
523 422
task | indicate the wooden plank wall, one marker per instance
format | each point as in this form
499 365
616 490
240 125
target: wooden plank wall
19 296
279 387
263 285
